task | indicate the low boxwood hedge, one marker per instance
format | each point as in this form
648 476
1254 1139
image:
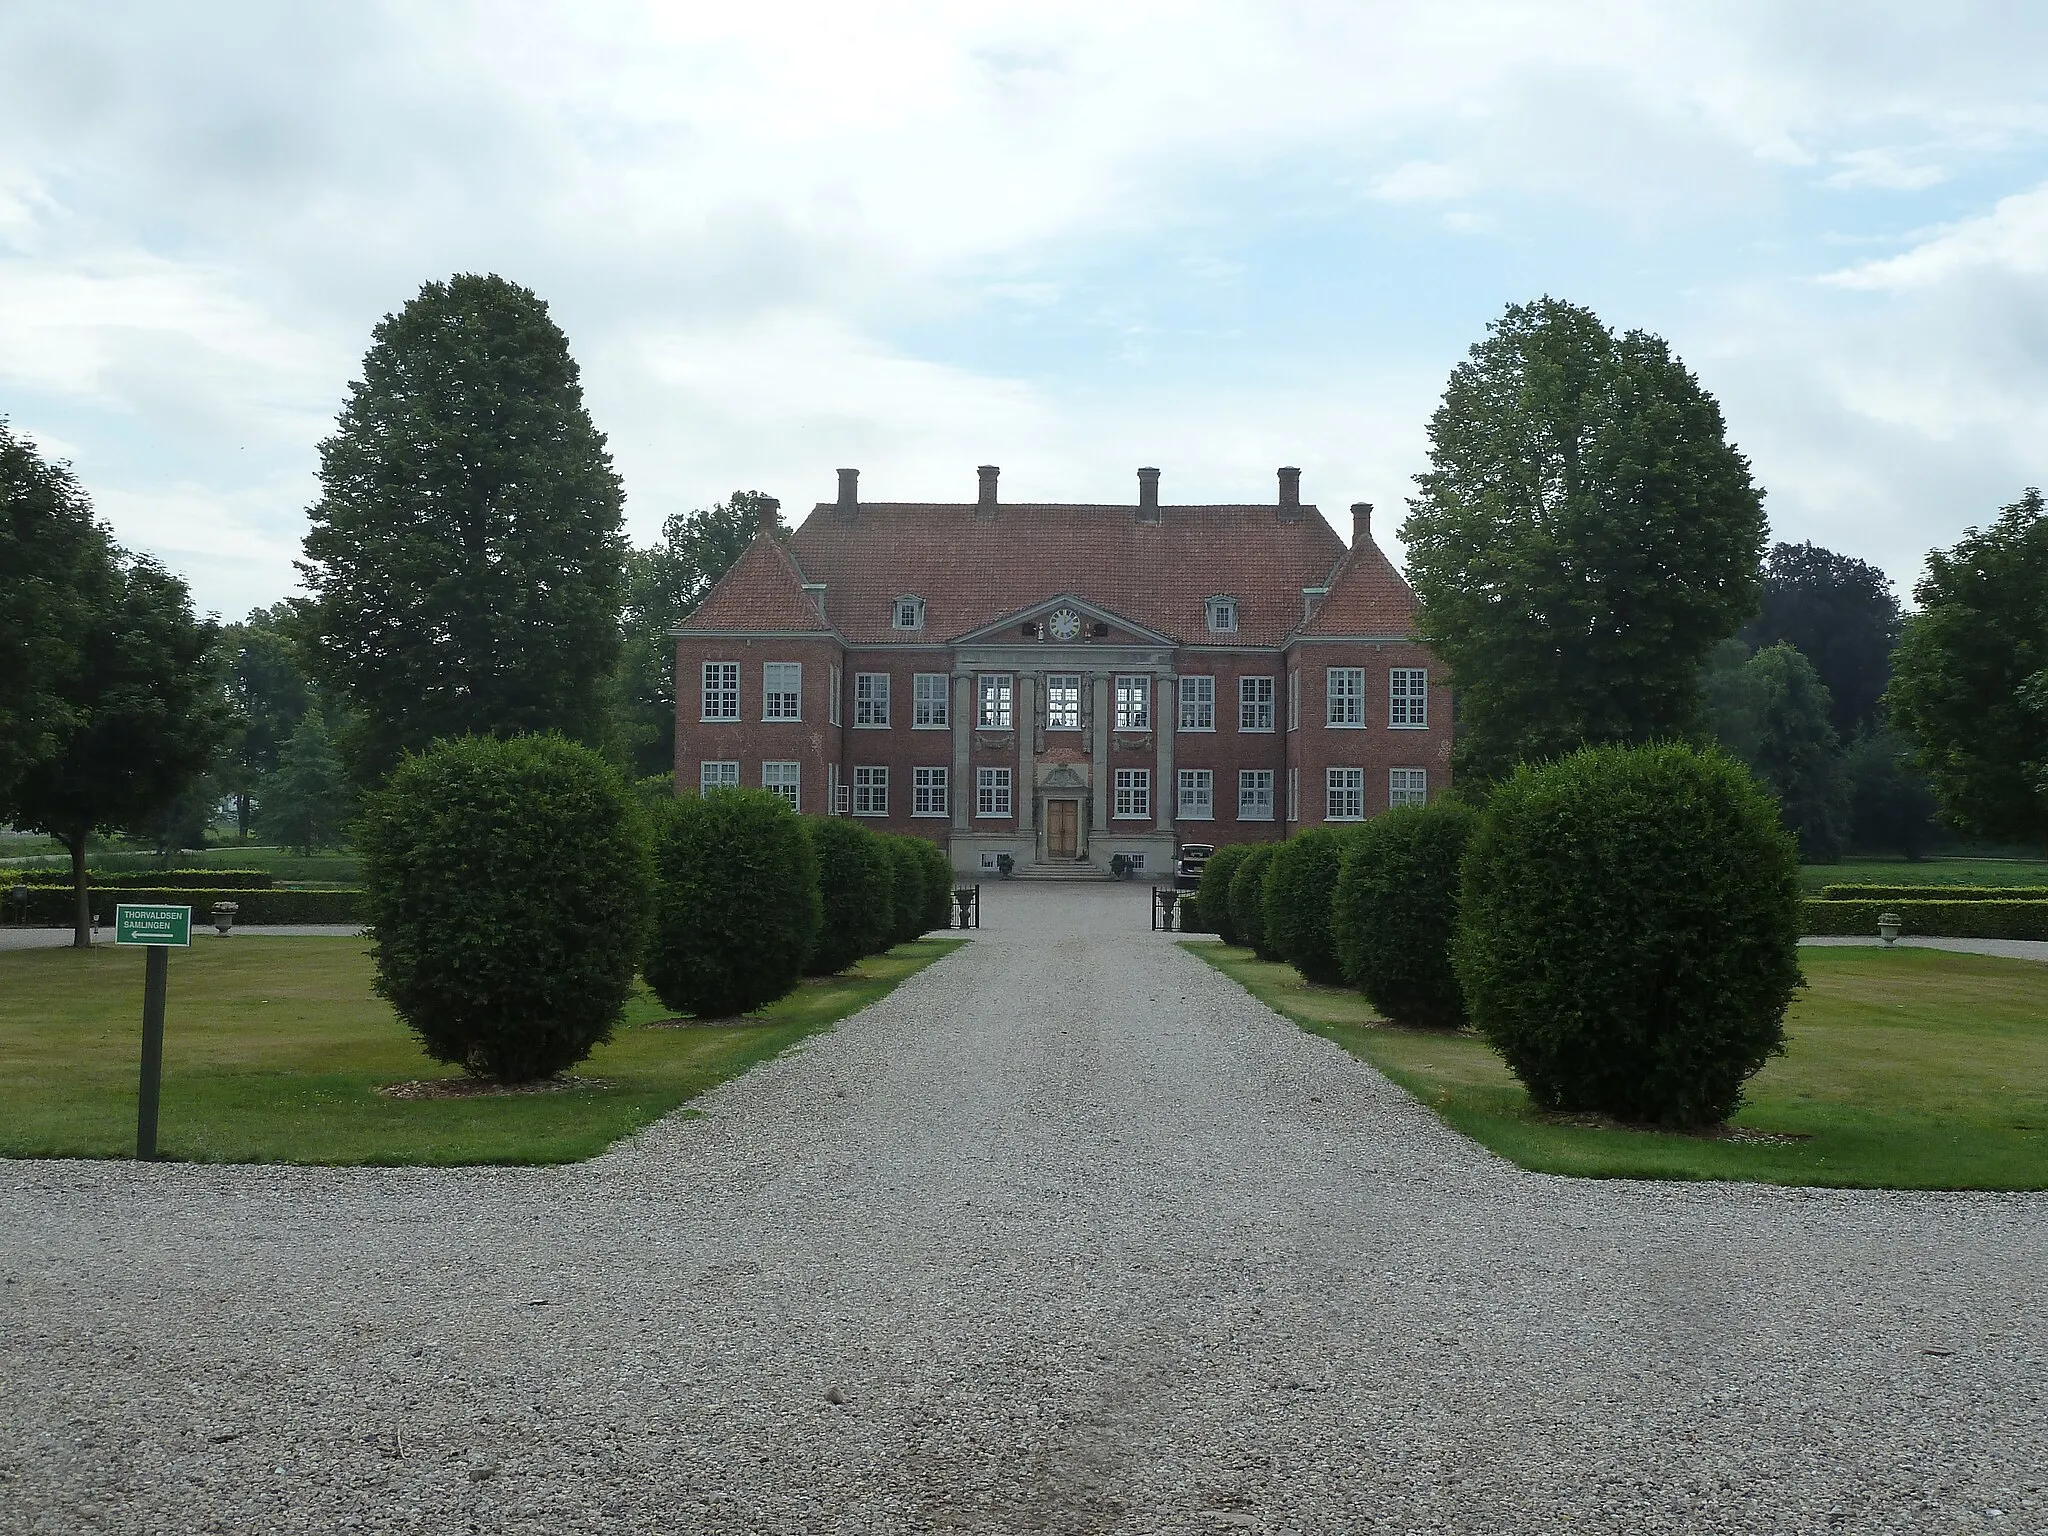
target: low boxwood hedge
157 879
50 906
1949 919
1934 892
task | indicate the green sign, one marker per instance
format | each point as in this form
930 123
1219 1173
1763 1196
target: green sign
153 925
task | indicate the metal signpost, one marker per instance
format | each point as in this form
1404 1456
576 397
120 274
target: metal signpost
157 929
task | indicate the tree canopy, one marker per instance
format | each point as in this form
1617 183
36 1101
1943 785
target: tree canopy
267 683
1970 677
464 556
1584 536
307 804
1842 615
1771 711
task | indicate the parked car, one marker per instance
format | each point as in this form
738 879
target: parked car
1187 874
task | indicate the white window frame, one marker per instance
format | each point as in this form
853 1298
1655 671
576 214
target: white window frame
1065 682
1197 798
1294 700
789 785
995 695
1133 701
1254 794
871 701
1343 794
1252 707
835 800
1222 615
773 705
907 612
931 706
1407 786
870 790
832 700
1344 698
1408 698
1133 795
1197 703
726 690
931 792
717 773
992 798
1294 794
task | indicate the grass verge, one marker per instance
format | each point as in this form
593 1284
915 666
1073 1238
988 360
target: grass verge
1904 1069
274 1049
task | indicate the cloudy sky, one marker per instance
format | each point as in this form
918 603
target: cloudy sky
1068 237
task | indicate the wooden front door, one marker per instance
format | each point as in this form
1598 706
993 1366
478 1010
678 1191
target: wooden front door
1062 821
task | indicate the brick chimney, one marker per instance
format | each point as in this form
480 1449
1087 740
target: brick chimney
1290 495
849 492
1148 496
771 510
1361 524
985 505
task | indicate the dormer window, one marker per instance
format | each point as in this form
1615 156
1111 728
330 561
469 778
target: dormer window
1222 615
909 613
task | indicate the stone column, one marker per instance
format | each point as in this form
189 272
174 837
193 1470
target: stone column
963 740
1098 687
1027 721
1166 716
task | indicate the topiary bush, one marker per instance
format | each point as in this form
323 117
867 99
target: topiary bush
938 885
1301 883
911 886
1248 899
1212 895
509 883
854 882
736 903
1629 931
1396 912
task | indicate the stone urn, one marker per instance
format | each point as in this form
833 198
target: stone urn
964 895
1168 900
224 916
1888 927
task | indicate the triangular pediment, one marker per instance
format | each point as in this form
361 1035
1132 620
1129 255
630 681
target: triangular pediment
1063 777
1122 630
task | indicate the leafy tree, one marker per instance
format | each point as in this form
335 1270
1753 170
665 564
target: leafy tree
1844 618
662 584
464 556
1772 711
53 556
1970 677
1583 538
148 716
307 799
268 685
1891 807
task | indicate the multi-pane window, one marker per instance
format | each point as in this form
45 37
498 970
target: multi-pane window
1255 704
909 613
1294 794
1198 703
930 711
991 791
837 796
1407 786
1344 794
1133 793
721 690
870 791
1255 794
712 776
783 779
993 688
928 792
1197 794
1294 700
832 699
1223 615
870 698
1062 701
1407 698
1133 702
782 690
1344 700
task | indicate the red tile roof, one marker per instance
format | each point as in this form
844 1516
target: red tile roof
1367 597
763 590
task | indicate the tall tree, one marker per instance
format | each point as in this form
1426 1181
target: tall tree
268 685
1844 617
464 556
307 804
52 555
148 716
1797 753
663 583
1891 808
1584 536
1970 676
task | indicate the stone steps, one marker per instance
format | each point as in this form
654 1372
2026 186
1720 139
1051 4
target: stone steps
1063 870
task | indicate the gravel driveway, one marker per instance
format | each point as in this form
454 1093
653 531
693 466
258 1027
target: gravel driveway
1086 1240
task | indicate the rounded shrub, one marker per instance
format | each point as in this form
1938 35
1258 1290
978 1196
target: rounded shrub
1628 939
508 883
1301 883
938 886
911 886
854 883
1248 899
1212 896
736 904
1396 912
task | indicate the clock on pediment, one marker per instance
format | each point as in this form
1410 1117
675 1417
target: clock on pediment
1064 624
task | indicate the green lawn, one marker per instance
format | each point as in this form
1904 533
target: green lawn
1924 872
1907 1069
273 1048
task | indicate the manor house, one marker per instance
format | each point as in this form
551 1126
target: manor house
1064 682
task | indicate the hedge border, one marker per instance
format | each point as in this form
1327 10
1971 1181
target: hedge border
1934 892
1931 919
52 906
155 880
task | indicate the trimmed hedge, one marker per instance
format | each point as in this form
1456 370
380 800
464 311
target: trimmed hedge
1396 912
854 878
156 880
1301 884
1629 934
1934 892
911 888
51 906
1248 899
1212 896
938 885
510 884
1933 919
736 905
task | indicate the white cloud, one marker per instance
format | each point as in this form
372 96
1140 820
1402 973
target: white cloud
1422 181
2012 238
